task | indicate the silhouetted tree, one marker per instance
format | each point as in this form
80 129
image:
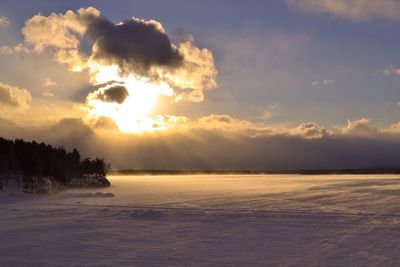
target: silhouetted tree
35 161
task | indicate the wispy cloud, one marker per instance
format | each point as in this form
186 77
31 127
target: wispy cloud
323 83
391 70
11 50
270 112
355 10
4 22
49 83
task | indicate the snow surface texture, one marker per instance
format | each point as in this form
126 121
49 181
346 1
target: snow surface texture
208 220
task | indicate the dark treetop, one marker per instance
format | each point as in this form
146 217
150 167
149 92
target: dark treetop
32 159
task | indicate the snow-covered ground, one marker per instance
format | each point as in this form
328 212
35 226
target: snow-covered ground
208 220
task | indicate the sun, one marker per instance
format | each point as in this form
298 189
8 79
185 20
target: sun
134 113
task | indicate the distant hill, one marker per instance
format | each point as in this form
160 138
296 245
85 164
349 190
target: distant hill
372 170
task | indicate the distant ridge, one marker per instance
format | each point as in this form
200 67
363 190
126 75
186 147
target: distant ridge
372 170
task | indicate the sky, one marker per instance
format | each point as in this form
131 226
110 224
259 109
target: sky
261 85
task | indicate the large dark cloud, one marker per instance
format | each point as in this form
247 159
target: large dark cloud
137 47
135 43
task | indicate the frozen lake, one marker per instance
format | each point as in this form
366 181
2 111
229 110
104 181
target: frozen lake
208 220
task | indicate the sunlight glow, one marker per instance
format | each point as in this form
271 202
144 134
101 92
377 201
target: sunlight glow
134 113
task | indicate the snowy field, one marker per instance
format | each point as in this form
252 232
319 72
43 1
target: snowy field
208 220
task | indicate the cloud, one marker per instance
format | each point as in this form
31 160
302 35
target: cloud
4 22
197 73
12 50
215 148
49 83
226 123
360 128
309 130
47 93
106 124
270 112
391 70
136 46
355 10
112 93
60 32
180 34
57 31
323 83
68 132
12 97
70 127
394 128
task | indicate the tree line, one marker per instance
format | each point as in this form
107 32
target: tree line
32 159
